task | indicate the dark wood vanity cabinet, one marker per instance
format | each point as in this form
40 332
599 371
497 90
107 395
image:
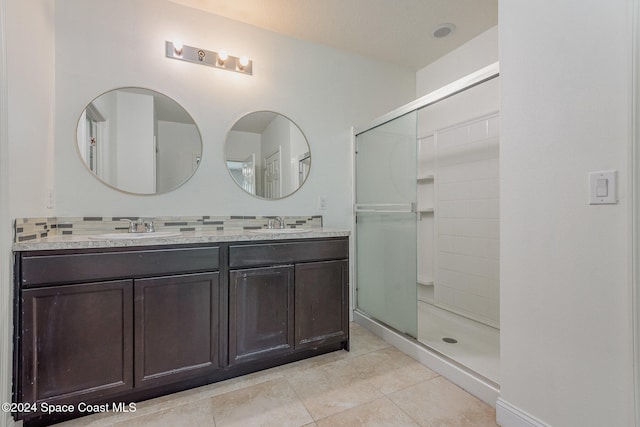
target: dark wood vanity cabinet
286 297
77 341
176 328
127 324
90 340
260 313
322 303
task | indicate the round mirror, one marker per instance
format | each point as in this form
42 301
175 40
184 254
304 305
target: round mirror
139 141
267 155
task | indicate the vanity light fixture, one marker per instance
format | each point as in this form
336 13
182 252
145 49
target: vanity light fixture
222 59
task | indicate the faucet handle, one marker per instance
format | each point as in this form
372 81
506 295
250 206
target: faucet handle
132 224
149 227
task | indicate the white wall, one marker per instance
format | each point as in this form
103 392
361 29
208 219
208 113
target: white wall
30 76
566 337
293 77
26 167
5 231
471 56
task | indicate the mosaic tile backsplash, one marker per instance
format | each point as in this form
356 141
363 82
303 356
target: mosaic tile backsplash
36 228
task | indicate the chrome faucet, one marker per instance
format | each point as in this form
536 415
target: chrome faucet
140 225
272 221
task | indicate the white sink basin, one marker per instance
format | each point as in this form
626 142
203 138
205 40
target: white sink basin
134 236
279 230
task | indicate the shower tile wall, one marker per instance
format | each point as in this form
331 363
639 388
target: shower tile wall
467 237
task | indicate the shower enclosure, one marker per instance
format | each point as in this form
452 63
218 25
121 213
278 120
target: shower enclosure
427 222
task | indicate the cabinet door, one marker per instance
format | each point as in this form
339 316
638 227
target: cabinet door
176 328
260 313
322 303
77 341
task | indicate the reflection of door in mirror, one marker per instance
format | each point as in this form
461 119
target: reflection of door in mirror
272 178
249 174
116 140
304 163
92 145
244 172
235 168
91 139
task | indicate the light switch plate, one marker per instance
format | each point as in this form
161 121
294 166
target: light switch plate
603 187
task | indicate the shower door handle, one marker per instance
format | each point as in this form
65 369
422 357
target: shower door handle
409 207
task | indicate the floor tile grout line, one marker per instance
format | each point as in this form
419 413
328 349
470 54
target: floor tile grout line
383 395
343 410
204 395
277 378
403 411
300 399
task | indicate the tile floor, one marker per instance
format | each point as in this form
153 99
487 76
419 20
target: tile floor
372 385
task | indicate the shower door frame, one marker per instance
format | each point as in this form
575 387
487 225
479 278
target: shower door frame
478 77
481 387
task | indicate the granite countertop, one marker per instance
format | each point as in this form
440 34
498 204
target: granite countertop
185 237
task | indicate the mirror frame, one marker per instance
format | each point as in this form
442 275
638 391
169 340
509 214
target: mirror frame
138 88
236 183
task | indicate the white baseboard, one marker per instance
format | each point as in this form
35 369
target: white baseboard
508 415
480 387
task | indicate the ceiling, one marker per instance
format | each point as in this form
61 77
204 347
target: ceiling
255 122
397 31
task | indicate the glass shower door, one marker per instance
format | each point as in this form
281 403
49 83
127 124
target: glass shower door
386 223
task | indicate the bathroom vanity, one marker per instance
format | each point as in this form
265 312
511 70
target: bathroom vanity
140 319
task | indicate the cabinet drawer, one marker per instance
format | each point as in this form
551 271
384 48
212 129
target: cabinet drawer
261 254
38 269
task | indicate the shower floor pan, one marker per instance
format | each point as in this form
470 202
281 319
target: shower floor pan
477 345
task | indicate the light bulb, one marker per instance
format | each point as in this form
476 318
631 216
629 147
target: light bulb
177 47
244 61
222 57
